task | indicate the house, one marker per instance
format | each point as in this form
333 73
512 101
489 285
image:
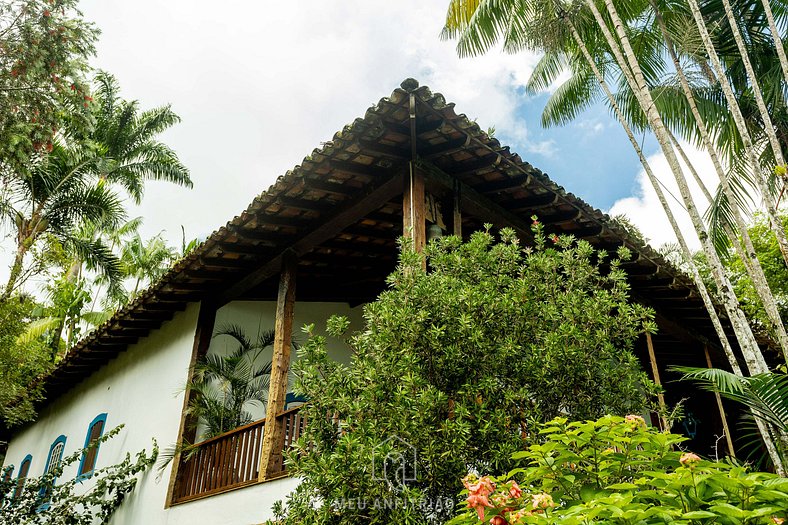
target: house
321 241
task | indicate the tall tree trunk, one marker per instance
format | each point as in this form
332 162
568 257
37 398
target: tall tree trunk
768 199
754 84
701 286
640 89
631 69
778 42
16 270
748 255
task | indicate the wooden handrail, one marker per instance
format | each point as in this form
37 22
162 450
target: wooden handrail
230 460
230 432
290 410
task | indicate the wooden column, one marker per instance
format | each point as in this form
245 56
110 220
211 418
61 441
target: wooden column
187 430
456 218
728 437
655 371
413 214
271 460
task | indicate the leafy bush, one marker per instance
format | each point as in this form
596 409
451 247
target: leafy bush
616 470
20 363
50 500
454 369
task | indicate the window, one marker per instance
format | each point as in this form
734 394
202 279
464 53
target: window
88 462
53 462
24 468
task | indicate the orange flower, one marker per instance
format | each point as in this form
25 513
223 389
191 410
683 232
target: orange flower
478 493
498 520
515 491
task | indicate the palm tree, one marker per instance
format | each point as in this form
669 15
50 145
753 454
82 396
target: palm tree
56 197
129 152
224 386
65 312
548 25
145 261
74 183
764 395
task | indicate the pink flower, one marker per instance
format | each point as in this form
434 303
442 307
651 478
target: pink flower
498 520
689 459
636 421
515 491
542 501
778 521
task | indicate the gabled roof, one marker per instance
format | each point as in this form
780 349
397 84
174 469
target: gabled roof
340 211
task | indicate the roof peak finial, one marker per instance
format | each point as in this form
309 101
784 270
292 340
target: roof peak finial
409 84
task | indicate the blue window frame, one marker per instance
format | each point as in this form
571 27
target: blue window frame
53 461
87 464
24 468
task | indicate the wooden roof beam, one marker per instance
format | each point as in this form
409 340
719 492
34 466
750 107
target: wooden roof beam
248 249
450 146
364 170
370 199
422 126
560 217
482 207
506 184
537 201
462 169
375 147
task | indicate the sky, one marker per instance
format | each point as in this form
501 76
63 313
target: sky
259 85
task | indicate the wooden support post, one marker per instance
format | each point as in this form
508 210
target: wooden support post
728 437
187 430
456 220
413 213
655 371
271 459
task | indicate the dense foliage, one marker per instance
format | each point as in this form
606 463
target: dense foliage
768 253
73 154
618 471
19 363
50 500
455 369
44 48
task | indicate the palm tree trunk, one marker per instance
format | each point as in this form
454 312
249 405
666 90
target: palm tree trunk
631 69
701 286
756 88
778 42
638 85
707 301
769 203
16 270
748 255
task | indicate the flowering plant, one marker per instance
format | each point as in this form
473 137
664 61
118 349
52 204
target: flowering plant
618 470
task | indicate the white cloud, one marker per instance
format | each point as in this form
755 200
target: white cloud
260 84
645 210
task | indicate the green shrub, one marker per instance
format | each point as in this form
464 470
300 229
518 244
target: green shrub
455 368
617 470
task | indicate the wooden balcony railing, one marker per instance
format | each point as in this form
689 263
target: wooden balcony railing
231 460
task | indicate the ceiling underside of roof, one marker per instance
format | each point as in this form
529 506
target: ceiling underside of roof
341 212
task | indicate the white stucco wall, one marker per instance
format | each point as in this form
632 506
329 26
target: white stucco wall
143 389
255 317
